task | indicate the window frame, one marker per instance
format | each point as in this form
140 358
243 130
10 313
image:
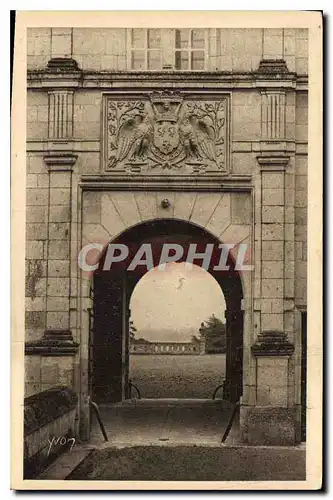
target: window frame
170 36
145 49
190 49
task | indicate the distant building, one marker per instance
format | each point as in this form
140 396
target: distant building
146 347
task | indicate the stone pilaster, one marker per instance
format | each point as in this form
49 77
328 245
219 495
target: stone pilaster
57 340
272 167
60 114
59 233
59 161
273 115
272 420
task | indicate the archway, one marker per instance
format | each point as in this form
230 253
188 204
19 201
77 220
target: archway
109 353
177 334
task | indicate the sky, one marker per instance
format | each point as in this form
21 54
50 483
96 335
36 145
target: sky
176 299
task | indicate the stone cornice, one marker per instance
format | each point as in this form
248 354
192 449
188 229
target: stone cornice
272 343
272 67
278 161
47 349
61 160
47 79
166 183
53 343
61 64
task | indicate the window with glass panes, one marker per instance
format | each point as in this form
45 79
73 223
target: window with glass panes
146 49
190 45
156 49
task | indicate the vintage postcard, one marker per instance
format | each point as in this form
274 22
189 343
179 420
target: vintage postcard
167 239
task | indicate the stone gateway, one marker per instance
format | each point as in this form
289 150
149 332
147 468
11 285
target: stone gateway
170 136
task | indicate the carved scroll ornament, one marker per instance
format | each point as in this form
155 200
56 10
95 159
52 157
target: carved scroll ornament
167 132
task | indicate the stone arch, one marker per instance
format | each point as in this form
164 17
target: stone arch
112 292
105 216
109 214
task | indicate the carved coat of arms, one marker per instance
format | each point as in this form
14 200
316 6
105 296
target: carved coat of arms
168 132
166 126
166 137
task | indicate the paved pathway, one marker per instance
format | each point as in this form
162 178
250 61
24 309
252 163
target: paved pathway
179 423
193 463
161 422
165 421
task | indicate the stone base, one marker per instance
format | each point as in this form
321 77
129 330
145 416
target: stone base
268 425
47 415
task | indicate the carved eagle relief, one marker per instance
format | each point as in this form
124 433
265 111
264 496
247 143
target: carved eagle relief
133 139
197 138
166 132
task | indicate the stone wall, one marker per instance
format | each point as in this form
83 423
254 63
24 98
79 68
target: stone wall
259 198
106 49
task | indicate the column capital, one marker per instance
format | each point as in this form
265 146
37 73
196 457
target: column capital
66 64
272 67
53 343
272 343
273 161
60 161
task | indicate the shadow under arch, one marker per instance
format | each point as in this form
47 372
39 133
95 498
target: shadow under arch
112 290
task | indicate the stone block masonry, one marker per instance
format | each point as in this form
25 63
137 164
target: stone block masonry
232 160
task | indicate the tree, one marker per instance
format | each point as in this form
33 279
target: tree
214 332
194 339
132 331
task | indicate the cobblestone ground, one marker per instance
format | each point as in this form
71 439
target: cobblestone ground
197 463
168 376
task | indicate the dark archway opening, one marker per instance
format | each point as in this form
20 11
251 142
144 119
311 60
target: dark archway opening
112 290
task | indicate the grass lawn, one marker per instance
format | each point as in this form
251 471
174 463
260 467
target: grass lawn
172 376
193 463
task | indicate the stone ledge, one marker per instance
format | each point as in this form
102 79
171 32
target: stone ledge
267 67
213 80
272 343
46 406
54 343
273 161
67 64
273 67
182 183
47 415
60 161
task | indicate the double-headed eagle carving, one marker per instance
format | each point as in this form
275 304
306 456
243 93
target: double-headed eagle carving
166 134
